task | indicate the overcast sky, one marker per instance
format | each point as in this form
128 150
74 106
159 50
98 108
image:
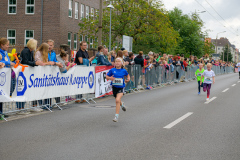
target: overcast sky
229 10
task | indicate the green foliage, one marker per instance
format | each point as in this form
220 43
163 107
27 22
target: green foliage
147 24
152 28
189 29
227 54
209 48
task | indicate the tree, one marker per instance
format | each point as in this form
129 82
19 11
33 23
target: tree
227 54
191 40
148 24
208 48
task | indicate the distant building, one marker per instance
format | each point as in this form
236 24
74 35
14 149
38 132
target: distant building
237 55
22 20
220 45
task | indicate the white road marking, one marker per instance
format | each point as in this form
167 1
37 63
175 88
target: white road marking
225 90
178 120
210 100
234 85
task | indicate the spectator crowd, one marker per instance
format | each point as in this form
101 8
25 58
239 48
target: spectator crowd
45 55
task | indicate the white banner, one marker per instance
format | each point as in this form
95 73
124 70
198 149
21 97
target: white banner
127 43
5 83
103 86
47 82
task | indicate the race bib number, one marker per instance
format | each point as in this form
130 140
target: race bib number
208 79
117 82
199 74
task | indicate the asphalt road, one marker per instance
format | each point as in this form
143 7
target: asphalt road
170 123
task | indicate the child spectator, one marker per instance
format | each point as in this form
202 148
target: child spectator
62 58
42 55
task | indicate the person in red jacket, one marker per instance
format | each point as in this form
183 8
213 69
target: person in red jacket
185 62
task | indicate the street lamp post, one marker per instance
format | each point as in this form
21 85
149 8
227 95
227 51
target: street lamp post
216 43
111 7
100 24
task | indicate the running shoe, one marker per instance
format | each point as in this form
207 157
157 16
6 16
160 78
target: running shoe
207 99
198 93
123 107
115 119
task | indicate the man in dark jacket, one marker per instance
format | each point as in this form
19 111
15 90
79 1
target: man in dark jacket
139 59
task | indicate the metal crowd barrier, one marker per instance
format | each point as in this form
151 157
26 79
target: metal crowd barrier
162 76
140 79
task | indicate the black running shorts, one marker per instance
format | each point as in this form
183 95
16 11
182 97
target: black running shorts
117 90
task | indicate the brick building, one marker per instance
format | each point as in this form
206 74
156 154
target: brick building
22 20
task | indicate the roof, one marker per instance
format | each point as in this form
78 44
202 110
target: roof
221 42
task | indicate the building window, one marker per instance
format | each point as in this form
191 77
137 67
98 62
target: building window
91 42
218 48
92 12
87 12
11 36
29 34
86 40
75 41
96 10
76 10
12 6
70 8
69 39
30 4
82 11
81 38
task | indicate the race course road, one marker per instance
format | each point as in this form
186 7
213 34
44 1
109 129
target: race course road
170 123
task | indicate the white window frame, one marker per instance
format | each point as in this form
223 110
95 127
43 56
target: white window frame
12 5
91 42
76 10
81 38
82 11
70 8
30 5
70 40
87 12
10 38
96 11
75 41
25 38
86 40
92 12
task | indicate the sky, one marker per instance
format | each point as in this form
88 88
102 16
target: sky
220 16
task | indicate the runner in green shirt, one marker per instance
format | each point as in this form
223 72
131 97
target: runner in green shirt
198 74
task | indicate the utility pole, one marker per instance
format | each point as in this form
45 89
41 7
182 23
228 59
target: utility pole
100 24
227 51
